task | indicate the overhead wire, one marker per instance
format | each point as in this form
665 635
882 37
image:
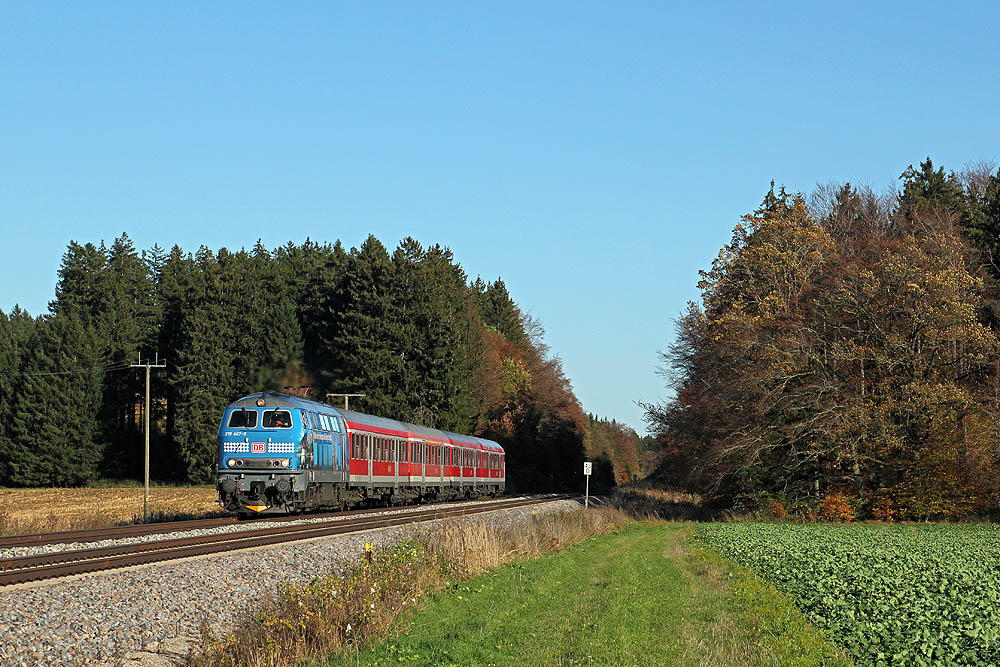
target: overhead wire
107 368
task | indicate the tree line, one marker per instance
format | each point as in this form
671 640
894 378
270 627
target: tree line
408 329
846 346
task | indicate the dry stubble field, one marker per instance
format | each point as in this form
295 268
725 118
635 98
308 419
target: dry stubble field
43 510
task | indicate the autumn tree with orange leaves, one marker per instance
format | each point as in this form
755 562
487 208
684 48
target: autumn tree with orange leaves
843 350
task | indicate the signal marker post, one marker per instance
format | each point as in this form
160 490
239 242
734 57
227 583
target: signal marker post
587 467
345 397
148 365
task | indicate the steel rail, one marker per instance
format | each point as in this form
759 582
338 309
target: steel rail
139 530
81 561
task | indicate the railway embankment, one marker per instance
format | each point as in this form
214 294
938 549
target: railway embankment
108 617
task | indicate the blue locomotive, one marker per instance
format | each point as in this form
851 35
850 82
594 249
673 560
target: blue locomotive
280 454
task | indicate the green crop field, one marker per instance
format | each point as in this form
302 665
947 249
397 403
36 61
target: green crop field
888 595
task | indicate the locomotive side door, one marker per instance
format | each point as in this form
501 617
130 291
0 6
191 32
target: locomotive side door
340 446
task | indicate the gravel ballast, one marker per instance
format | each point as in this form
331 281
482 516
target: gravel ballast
103 617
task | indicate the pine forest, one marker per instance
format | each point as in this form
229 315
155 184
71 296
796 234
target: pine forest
408 329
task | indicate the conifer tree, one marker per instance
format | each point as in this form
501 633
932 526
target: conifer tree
364 337
54 439
204 378
127 324
315 272
16 333
928 193
173 277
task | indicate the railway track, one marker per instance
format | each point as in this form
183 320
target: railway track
123 532
81 561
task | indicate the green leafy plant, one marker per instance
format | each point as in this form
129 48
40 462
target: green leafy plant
888 595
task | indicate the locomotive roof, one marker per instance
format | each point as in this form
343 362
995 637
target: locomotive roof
282 400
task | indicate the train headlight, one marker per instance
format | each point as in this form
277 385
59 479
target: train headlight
231 462
285 463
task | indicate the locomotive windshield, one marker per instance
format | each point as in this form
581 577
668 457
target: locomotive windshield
277 419
243 419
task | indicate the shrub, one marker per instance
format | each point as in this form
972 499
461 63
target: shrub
884 510
836 506
777 510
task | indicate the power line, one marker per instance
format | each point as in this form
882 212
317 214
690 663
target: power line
93 369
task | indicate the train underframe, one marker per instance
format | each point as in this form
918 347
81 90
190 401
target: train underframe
292 492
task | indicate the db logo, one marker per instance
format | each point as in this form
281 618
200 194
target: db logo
257 448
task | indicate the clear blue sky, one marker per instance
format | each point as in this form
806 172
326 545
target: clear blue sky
594 155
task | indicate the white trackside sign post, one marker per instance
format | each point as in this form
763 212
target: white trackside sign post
587 467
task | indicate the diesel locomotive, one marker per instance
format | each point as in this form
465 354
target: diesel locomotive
282 454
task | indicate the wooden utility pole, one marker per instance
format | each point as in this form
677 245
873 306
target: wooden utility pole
147 366
346 396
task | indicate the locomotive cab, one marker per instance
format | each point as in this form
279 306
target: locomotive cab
261 456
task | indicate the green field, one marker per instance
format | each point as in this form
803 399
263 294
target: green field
888 595
642 596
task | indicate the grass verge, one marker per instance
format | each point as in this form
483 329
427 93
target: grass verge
646 595
342 611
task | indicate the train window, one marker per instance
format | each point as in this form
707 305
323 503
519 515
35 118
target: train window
333 423
243 419
277 419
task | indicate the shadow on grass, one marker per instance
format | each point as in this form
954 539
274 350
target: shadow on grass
642 500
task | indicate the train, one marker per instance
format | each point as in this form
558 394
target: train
285 454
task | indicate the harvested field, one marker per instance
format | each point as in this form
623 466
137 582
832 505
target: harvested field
44 510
